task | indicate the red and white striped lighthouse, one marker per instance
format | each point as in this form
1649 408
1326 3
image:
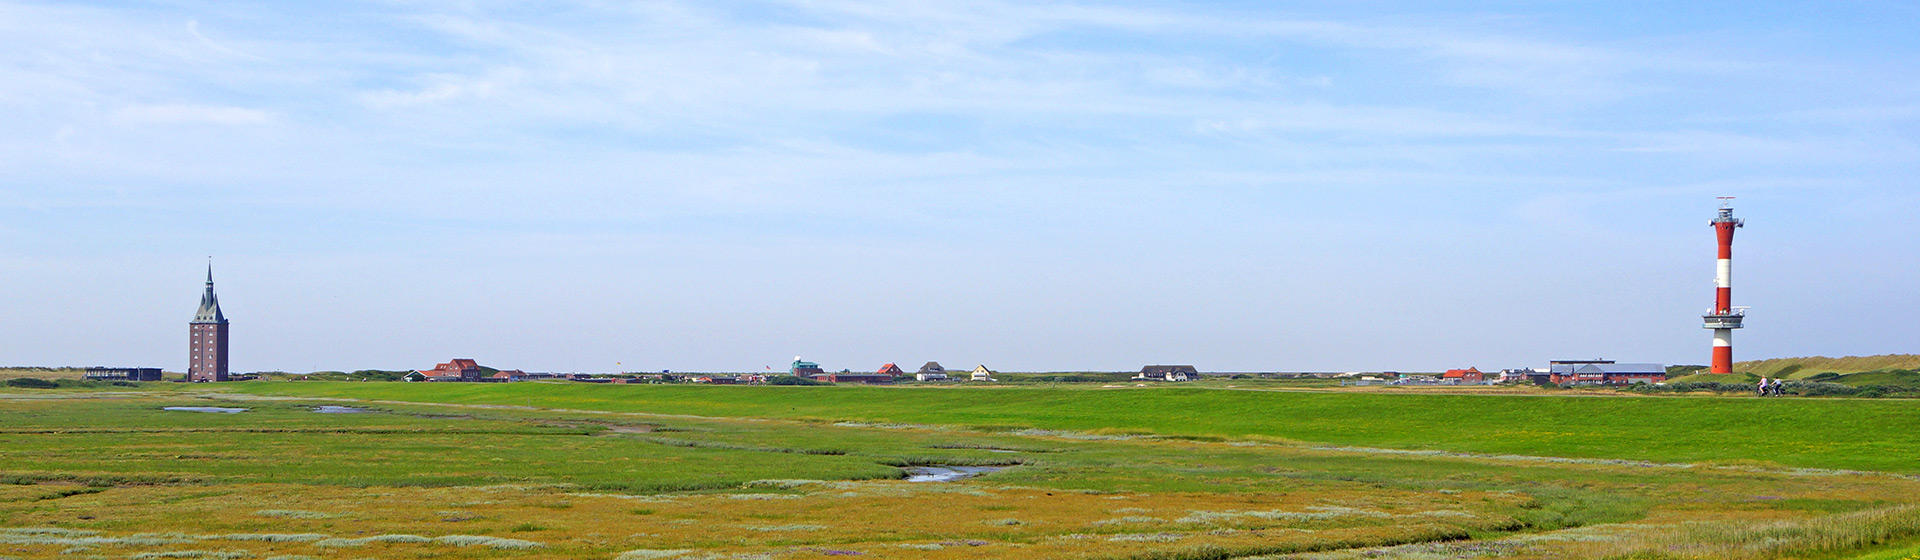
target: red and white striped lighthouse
1724 317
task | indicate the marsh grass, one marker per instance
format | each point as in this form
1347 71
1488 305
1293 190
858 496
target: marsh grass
740 488
216 554
1741 540
651 554
928 461
293 514
364 541
66 492
489 542
736 447
1217 552
1654 429
989 447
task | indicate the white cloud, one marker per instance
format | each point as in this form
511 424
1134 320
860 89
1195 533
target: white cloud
445 88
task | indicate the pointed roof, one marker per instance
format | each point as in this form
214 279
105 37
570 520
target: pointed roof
209 303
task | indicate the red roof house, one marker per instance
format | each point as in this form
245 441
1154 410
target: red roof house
460 369
1469 375
892 370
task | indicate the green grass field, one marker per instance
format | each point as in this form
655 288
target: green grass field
1815 433
557 470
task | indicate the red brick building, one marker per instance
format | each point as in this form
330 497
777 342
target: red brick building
1467 376
1604 372
849 377
207 335
460 369
892 370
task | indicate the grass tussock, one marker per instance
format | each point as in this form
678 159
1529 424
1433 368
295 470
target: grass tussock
273 537
652 554
364 541
489 542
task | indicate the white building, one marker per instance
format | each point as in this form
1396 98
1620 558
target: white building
983 374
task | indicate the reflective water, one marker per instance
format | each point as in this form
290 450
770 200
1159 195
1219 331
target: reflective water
213 409
330 409
945 473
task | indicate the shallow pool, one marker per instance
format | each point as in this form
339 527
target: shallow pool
212 409
945 473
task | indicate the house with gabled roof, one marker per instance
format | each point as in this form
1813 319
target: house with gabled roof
1469 376
459 369
1167 373
982 374
892 370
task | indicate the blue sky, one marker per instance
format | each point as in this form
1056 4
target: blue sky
591 186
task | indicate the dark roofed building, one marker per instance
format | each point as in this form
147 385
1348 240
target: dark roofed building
122 374
1168 373
933 367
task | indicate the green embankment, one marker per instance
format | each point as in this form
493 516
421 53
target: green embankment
1801 368
1823 433
41 372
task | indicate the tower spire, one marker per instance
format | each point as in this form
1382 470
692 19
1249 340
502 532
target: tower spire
209 311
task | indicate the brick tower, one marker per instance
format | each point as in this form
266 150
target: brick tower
208 362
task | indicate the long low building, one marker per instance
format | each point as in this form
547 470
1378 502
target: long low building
122 374
457 370
1604 372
